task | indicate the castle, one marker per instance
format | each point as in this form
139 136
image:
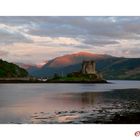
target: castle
87 74
88 67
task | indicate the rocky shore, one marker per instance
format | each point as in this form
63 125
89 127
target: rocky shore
124 113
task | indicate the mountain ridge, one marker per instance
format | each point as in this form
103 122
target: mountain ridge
111 67
75 58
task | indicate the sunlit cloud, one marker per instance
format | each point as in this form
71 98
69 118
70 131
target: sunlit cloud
55 41
33 54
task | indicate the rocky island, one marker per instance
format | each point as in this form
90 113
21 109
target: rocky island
87 74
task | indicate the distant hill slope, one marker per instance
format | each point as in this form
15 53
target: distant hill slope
123 68
8 70
111 67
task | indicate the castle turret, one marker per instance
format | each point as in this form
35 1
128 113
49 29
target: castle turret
88 67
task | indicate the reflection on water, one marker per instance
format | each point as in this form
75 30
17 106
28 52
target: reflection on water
20 102
88 98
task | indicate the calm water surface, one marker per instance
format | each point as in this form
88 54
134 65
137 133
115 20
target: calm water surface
29 103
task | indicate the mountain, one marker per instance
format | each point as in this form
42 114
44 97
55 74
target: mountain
64 64
111 67
8 70
72 59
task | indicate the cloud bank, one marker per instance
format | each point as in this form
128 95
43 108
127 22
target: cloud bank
37 39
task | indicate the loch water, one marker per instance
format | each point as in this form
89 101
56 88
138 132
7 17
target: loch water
66 103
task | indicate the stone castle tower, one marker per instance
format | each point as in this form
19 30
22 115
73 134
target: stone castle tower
88 67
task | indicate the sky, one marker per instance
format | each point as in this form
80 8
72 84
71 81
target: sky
34 40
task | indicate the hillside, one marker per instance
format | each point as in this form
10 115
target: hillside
123 68
111 67
8 70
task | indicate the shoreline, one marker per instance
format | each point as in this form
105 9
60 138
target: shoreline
80 82
37 81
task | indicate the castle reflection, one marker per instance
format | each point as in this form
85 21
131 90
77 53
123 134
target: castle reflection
78 100
88 98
